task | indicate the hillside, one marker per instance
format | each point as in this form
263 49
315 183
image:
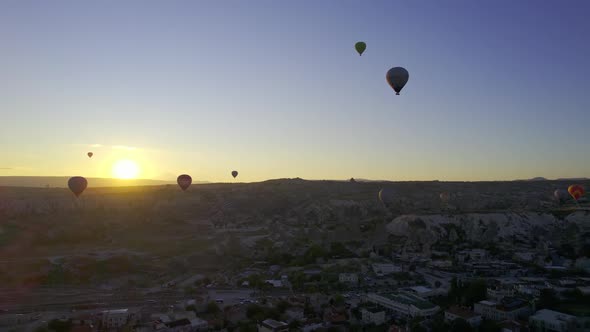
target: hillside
117 234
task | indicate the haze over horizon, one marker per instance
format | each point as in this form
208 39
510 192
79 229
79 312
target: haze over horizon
497 91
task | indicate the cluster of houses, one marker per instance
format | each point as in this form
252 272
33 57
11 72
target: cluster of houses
383 292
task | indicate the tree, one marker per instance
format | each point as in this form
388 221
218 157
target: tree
213 308
468 294
547 299
247 327
313 253
418 328
415 325
294 325
439 324
282 306
255 312
59 325
308 310
460 325
475 292
338 300
489 326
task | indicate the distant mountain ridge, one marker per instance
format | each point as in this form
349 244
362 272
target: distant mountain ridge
540 178
62 182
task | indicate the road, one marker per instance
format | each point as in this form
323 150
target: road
60 299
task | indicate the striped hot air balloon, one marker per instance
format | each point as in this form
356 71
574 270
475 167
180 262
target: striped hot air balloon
576 191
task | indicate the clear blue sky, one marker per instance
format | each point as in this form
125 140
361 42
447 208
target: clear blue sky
497 89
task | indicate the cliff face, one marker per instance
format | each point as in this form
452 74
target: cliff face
502 228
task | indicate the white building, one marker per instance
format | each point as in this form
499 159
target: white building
549 320
469 316
404 304
295 313
423 291
526 289
351 278
498 293
373 315
115 318
385 269
271 325
507 309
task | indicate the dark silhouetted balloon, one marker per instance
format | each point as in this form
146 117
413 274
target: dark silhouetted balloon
77 185
387 196
184 181
234 174
576 191
397 78
90 154
360 47
445 196
561 195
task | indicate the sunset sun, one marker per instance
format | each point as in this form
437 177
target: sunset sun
125 169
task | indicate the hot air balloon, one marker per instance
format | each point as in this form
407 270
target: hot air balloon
445 197
90 154
386 196
576 191
234 174
360 47
77 185
561 195
397 78
184 181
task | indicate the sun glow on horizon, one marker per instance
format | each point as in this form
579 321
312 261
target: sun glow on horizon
125 169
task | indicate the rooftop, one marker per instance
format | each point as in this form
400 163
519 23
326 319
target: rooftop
410 299
512 303
546 314
510 324
373 309
488 303
115 311
273 324
421 289
462 312
180 322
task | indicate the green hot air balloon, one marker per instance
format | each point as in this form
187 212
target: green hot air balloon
360 47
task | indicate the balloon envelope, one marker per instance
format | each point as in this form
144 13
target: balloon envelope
397 78
90 154
561 195
386 196
445 196
360 47
234 174
184 181
77 185
576 191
